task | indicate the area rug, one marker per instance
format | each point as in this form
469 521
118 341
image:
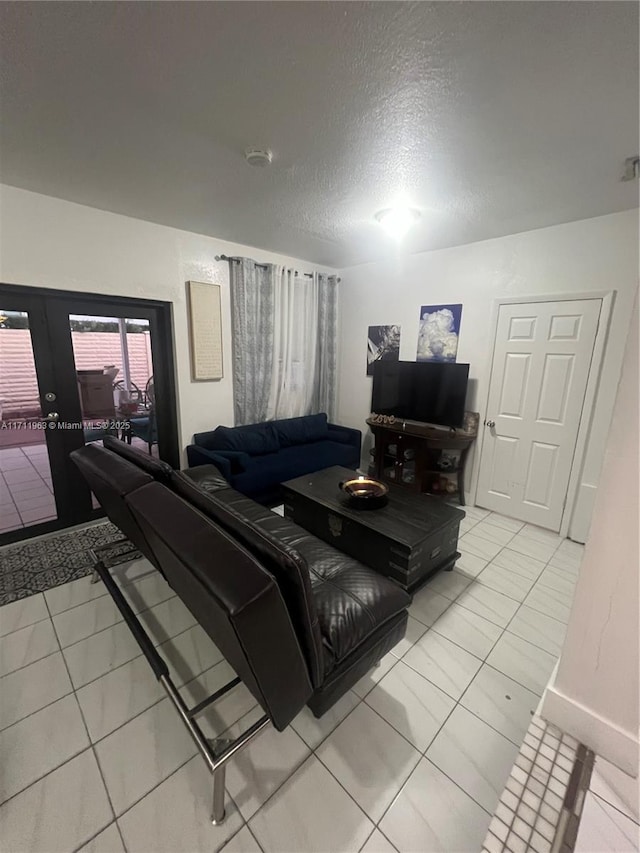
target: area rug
30 567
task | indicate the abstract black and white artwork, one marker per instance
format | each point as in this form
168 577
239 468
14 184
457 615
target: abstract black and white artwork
439 332
383 344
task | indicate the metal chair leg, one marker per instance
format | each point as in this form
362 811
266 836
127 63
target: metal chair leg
216 752
218 814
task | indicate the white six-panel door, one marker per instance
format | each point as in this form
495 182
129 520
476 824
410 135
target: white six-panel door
541 362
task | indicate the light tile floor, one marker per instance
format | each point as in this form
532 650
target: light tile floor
414 758
610 817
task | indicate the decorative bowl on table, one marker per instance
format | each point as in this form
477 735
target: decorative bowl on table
365 492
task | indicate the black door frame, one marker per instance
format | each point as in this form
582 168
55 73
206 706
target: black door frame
51 334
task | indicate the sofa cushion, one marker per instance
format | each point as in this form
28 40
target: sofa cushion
284 563
292 431
351 600
265 471
254 439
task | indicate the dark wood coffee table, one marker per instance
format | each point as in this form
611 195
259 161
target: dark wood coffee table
408 540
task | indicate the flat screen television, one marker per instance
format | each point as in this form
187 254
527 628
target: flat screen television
429 391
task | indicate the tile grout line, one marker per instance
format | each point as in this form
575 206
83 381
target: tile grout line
522 604
42 707
360 701
458 701
611 805
42 483
173 773
15 506
444 722
421 753
92 747
485 660
114 624
158 701
235 835
313 753
152 574
124 663
22 628
84 722
482 660
94 743
114 822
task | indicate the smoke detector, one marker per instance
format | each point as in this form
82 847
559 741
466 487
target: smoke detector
259 157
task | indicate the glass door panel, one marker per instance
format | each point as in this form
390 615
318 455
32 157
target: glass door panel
114 371
74 368
26 487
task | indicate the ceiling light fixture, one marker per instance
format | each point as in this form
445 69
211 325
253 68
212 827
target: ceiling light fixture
396 221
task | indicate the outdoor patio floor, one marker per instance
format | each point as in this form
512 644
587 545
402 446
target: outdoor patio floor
26 491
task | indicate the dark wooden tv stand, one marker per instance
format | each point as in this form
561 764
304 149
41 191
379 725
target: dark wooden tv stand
414 455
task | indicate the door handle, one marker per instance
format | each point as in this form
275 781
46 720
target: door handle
490 424
52 417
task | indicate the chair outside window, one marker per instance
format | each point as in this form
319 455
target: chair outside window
144 427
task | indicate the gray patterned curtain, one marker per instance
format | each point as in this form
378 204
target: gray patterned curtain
324 386
252 320
284 338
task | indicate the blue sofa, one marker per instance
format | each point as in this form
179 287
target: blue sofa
257 458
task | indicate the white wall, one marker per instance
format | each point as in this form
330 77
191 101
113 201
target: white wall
46 242
595 692
591 255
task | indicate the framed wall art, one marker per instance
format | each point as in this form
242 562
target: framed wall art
438 333
205 330
383 344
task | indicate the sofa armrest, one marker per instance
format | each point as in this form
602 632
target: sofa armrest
345 435
199 456
236 461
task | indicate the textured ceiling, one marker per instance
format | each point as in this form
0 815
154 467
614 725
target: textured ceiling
491 118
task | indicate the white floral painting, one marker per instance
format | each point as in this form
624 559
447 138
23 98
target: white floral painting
439 332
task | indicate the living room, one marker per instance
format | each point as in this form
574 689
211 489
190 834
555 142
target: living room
507 136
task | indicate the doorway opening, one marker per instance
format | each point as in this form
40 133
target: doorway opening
74 368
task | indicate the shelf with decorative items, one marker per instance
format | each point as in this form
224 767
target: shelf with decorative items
422 457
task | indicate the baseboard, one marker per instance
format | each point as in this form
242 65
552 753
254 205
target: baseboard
582 512
603 736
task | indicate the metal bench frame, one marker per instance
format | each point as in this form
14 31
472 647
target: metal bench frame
216 752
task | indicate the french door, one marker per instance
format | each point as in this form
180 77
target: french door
541 362
74 368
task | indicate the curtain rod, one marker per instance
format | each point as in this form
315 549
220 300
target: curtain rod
262 266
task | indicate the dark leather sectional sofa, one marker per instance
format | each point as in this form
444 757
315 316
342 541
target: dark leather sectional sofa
297 620
325 620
